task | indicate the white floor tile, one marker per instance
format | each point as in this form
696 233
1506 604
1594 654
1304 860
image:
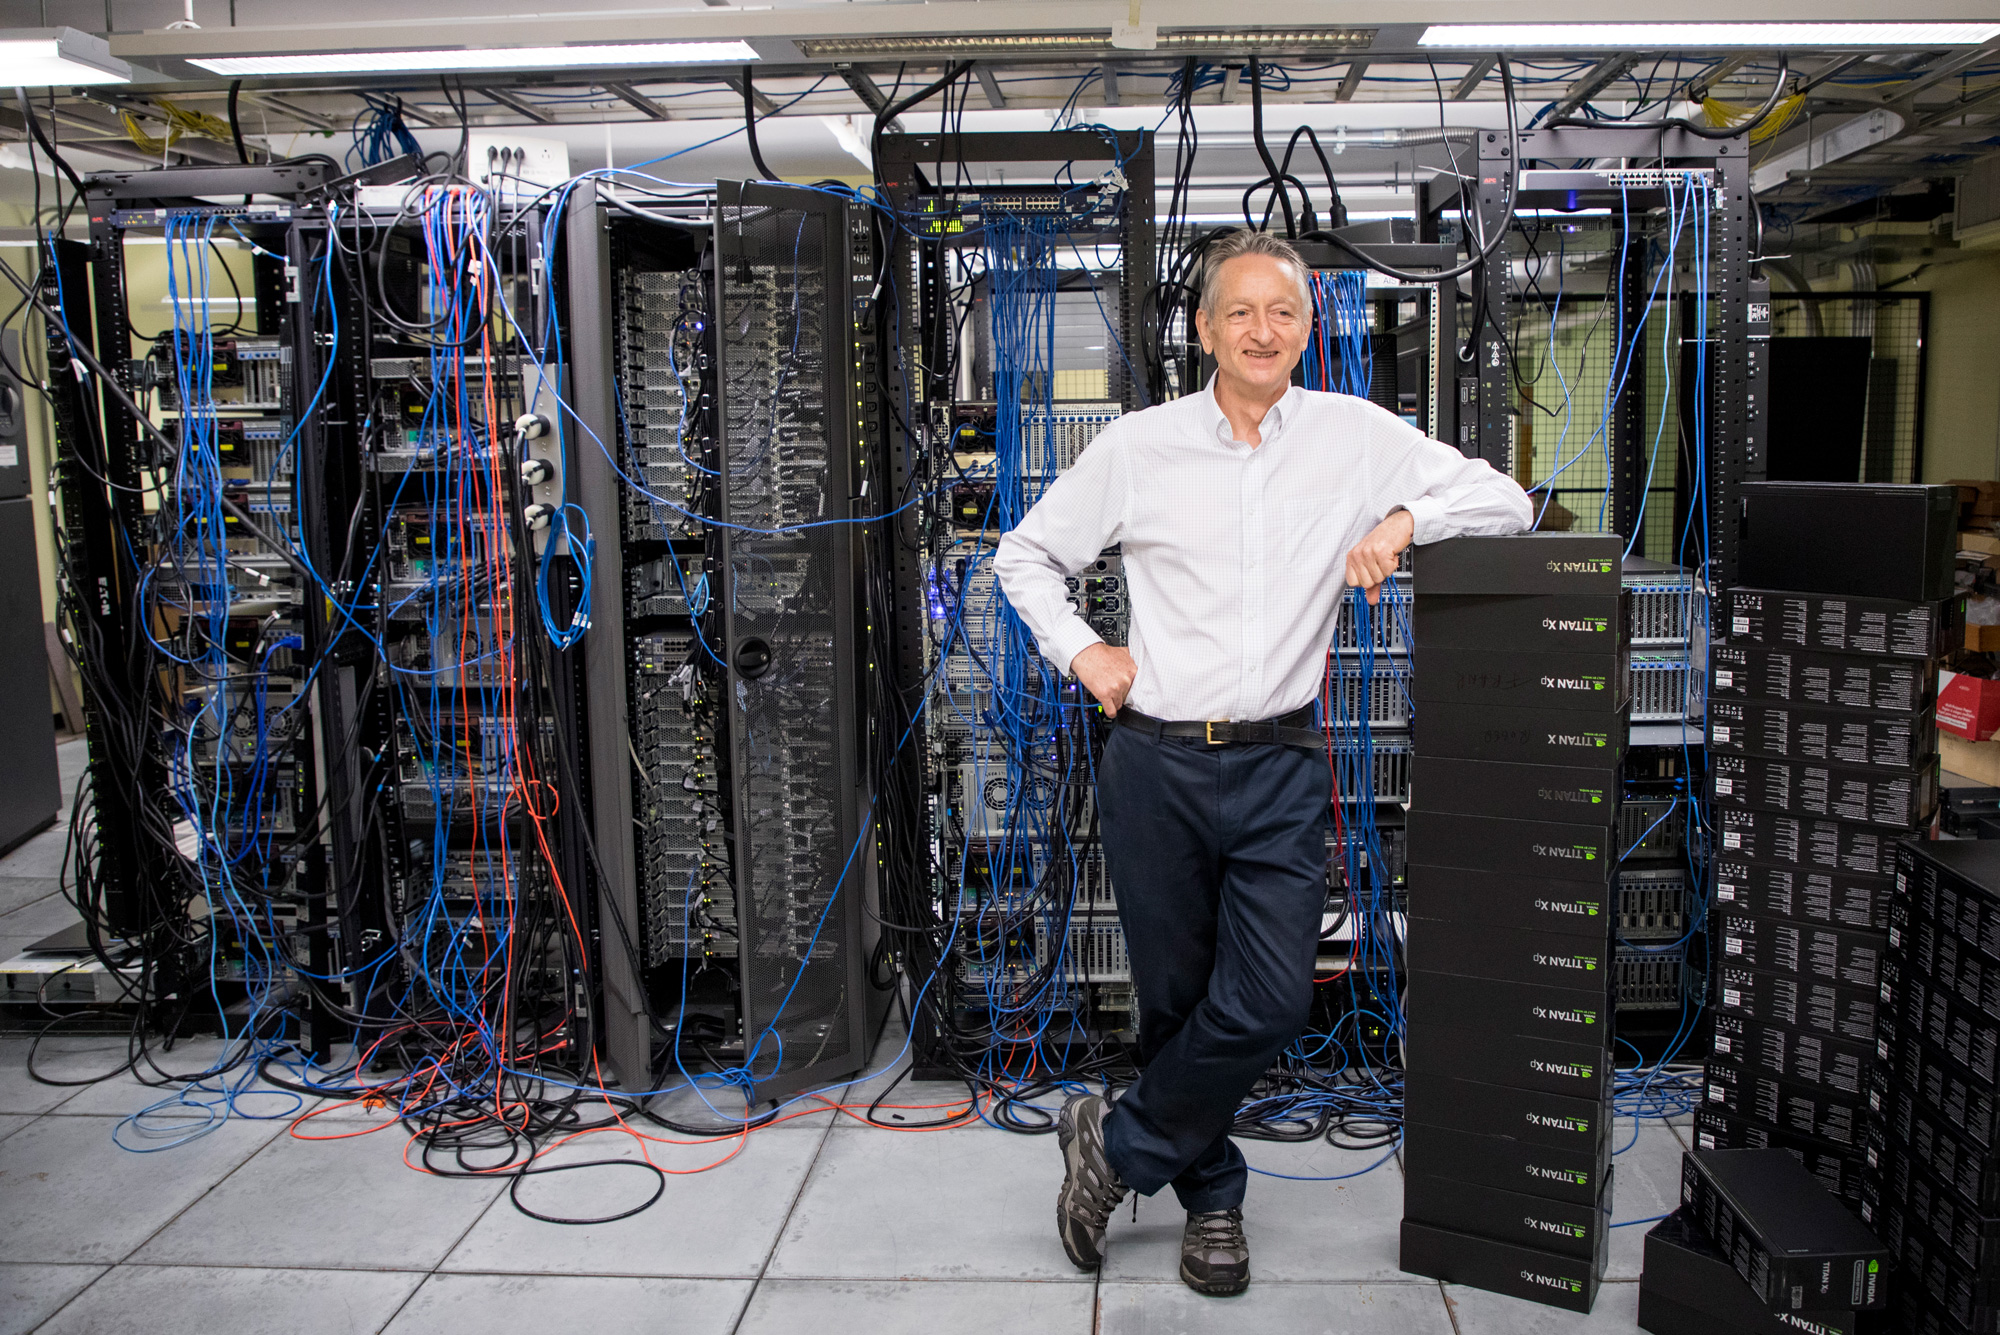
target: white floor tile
925 1307
604 1305
196 1300
72 1195
1269 1306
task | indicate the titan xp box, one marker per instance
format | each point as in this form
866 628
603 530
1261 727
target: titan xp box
1966 917
1961 1225
1934 1294
1955 881
1531 1116
1533 1273
1919 1006
1820 621
1469 1046
1798 1248
1581 909
1858 737
1778 839
1791 1002
1838 1065
1576 1176
1688 1287
1973 1172
1579 1230
1809 1110
1837 1167
1559 850
1516 792
1575 1015
1520 622
1923 1074
1900 801
1803 677
1594 687
1803 894
1803 535
1510 955
1523 736
1900 1109
1912 977
1962 1282
1586 564
1830 954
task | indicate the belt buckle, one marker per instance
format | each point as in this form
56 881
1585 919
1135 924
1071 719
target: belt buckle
1210 736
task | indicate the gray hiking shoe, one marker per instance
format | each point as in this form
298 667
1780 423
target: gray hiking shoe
1215 1256
1091 1189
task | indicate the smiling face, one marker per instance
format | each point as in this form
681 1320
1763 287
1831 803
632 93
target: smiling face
1255 325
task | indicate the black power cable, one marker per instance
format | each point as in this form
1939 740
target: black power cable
750 127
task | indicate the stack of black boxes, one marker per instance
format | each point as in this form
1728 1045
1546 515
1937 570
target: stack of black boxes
1822 755
1520 722
1933 1177
1758 1247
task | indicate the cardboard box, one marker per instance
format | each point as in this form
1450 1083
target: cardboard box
1982 639
1968 707
1797 1247
1568 563
1977 496
1525 736
1978 761
1803 841
1819 621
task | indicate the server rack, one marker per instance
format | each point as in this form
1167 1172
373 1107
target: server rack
728 653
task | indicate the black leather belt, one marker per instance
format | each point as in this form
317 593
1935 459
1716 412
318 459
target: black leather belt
1293 729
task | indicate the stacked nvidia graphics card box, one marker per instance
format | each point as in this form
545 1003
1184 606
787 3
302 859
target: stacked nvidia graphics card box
1932 1182
1520 723
1822 755
1758 1247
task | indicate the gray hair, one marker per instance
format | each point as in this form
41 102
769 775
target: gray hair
1247 242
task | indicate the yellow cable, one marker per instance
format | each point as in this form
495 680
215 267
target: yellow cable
180 121
1725 114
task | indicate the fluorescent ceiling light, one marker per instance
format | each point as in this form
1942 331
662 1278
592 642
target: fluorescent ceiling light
483 58
1679 36
57 58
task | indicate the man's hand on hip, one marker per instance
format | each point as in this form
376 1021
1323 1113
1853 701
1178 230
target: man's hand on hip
1374 558
1106 671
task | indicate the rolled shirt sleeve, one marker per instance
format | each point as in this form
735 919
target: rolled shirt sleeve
1080 515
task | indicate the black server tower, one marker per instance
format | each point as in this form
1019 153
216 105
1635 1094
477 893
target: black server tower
1520 691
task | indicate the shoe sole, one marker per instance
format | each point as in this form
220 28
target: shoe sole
1214 1288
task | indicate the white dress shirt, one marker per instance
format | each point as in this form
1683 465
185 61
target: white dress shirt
1235 555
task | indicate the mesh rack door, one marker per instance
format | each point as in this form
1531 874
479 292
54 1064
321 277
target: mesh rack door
784 351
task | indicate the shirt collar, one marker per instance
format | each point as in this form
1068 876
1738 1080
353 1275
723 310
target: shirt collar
1276 418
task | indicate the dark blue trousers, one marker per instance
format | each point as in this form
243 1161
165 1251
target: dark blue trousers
1218 858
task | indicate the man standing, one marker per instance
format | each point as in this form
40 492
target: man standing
1236 509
